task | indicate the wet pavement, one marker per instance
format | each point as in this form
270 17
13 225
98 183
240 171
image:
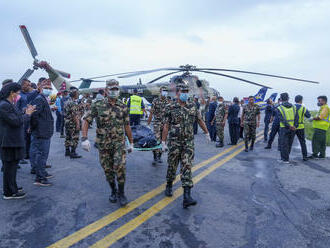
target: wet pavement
244 200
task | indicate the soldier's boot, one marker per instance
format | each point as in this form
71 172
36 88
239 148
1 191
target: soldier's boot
268 146
252 145
67 152
113 196
187 199
168 189
159 158
246 146
74 154
121 195
155 158
219 144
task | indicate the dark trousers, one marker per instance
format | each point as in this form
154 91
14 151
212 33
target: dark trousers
59 123
234 132
195 127
301 137
62 125
319 142
287 137
241 130
266 130
38 156
213 132
9 177
27 137
275 130
134 120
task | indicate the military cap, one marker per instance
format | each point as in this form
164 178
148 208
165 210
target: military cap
163 88
72 88
112 83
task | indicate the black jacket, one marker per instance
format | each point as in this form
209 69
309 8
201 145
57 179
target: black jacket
42 121
11 125
233 111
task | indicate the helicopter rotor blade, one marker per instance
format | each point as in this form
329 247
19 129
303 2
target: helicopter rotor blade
137 73
28 41
97 77
26 75
64 74
129 74
98 81
260 74
232 77
165 75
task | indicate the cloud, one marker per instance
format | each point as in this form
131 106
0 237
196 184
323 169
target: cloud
101 37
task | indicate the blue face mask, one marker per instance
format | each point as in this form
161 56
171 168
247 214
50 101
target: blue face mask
47 92
184 97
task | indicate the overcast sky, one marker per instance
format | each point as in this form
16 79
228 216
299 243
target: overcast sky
91 38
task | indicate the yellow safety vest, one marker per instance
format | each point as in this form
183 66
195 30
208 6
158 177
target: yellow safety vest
301 115
135 105
324 123
288 114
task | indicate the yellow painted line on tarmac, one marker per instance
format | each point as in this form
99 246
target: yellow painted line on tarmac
125 229
110 218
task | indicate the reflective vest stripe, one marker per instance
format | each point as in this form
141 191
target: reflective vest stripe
284 113
322 124
301 116
135 105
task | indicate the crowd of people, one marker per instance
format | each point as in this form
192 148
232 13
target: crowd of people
288 121
27 126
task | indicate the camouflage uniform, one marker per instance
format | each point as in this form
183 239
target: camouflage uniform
181 140
220 114
250 121
72 111
110 137
158 111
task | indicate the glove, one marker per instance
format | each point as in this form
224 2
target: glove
130 148
207 137
86 145
164 147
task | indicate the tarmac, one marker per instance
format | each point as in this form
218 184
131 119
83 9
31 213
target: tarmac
244 200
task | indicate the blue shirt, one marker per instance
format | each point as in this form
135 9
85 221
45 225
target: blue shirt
233 111
268 113
26 98
212 108
58 104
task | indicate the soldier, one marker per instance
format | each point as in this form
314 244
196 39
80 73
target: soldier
72 116
251 112
220 119
179 121
268 118
112 120
158 111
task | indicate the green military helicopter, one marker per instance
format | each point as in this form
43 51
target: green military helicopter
150 89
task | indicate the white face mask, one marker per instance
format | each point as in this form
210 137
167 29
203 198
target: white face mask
164 93
113 93
47 92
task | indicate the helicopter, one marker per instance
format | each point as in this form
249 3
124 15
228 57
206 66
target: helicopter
34 54
151 88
